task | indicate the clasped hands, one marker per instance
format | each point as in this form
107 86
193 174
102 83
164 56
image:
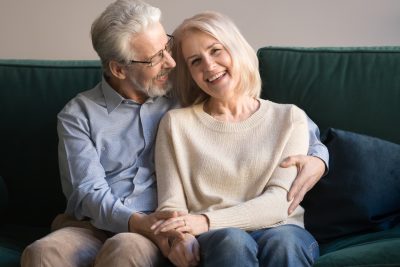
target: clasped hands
184 249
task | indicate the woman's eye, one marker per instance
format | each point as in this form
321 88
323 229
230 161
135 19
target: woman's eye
195 61
215 51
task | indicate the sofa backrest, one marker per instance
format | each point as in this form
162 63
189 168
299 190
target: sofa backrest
354 89
32 92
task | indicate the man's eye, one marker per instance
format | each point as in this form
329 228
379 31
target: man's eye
160 54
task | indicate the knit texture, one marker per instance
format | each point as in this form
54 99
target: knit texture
230 171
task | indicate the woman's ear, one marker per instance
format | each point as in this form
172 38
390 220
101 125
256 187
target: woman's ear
117 69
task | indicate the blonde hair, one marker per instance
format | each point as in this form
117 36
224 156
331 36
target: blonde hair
244 58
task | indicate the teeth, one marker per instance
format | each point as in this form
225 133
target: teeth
216 76
162 74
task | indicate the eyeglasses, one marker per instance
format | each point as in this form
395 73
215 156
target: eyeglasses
159 56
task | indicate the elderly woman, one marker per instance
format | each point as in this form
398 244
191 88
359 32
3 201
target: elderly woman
218 158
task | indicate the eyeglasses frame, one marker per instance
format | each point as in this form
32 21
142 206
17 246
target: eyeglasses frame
162 51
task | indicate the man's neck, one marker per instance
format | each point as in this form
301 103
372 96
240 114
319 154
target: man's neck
128 93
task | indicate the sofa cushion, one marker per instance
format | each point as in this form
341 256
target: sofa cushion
377 249
361 191
9 257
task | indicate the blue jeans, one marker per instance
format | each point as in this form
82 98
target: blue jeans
286 245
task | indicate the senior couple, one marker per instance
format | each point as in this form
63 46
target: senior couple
221 161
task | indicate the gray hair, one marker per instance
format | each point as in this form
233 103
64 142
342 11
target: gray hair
222 28
113 29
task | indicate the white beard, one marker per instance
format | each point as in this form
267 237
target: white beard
151 90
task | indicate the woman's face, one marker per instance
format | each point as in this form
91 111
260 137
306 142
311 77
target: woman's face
210 65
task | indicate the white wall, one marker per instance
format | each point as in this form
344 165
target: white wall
59 29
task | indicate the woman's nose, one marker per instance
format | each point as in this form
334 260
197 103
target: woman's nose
209 63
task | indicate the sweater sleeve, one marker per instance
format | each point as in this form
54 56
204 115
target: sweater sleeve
270 208
171 195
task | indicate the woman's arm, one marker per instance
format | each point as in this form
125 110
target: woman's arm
171 195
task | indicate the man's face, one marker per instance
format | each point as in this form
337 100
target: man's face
151 79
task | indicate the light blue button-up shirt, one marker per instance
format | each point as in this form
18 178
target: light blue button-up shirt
106 156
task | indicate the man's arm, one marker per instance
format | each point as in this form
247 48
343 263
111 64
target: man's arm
83 177
317 148
310 168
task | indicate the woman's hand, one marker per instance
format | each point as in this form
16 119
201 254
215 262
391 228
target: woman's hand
186 252
192 224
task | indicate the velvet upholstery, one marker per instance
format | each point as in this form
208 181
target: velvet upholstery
361 192
354 89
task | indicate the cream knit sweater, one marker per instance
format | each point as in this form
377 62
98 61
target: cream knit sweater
229 171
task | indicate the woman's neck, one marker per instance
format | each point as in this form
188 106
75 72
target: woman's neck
232 110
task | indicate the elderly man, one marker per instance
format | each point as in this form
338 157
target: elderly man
106 150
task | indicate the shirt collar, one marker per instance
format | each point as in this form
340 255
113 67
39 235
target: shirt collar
113 99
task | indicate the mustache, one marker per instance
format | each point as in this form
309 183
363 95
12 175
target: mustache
163 73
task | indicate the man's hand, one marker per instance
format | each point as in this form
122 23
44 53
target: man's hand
309 170
141 223
186 252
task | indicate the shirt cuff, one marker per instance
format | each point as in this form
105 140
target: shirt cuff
320 151
120 218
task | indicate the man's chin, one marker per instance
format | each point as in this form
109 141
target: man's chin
157 91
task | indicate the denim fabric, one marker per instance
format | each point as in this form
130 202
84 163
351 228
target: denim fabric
286 245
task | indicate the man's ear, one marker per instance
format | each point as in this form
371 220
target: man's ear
117 70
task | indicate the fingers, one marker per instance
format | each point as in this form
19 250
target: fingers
196 251
310 171
292 161
297 199
165 214
181 254
157 224
192 252
175 235
170 224
176 258
297 185
163 244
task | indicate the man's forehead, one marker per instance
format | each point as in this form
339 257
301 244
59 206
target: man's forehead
151 39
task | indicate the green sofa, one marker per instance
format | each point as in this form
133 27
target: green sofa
353 94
